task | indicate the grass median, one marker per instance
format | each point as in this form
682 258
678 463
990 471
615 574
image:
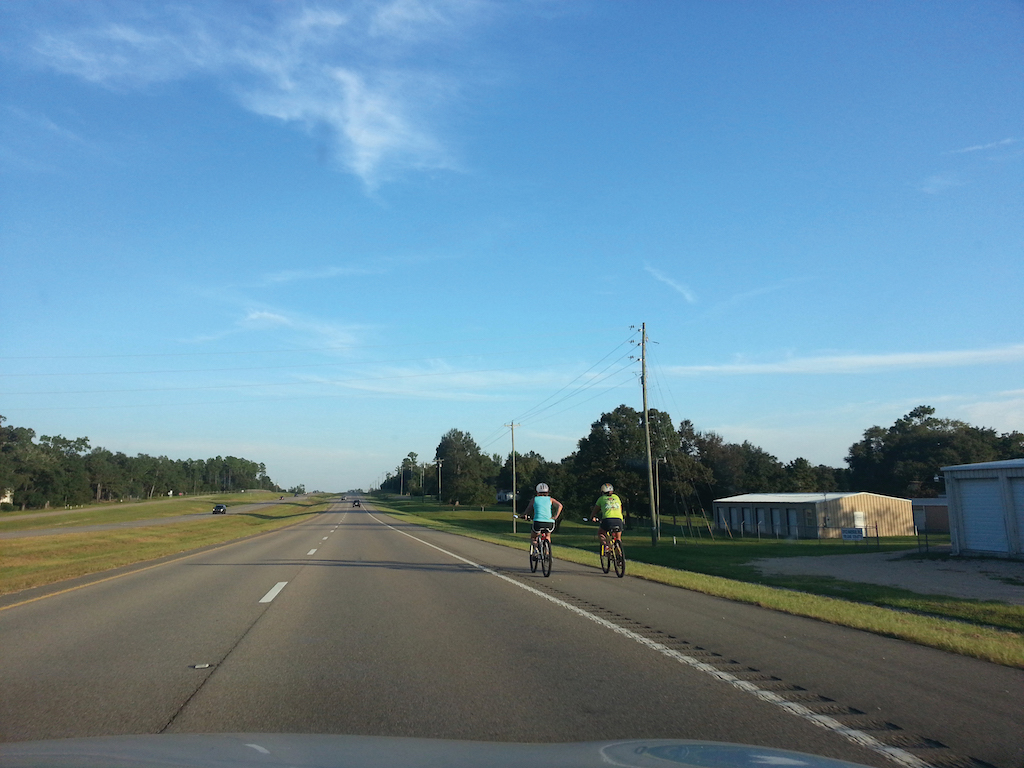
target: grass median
39 560
987 630
102 514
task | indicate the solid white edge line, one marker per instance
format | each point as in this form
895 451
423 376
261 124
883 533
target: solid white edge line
858 737
274 592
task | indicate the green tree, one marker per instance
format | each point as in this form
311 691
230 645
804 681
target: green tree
906 458
737 468
615 452
465 470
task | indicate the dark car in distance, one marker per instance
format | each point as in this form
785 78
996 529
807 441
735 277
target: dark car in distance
220 509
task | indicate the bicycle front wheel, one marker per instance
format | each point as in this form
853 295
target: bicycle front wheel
606 558
619 559
545 557
534 557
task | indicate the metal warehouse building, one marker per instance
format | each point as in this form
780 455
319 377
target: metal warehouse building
814 515
986 508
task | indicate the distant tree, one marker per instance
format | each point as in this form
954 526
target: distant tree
737 468
906 458
464 471
532 469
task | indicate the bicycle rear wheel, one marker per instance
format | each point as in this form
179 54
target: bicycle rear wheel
606 558
619 559
545 556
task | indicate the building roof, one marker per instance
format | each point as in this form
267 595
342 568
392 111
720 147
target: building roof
1007 464
783 498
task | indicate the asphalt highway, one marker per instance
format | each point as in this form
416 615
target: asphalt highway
355 623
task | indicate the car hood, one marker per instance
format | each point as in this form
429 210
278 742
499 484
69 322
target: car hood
323 751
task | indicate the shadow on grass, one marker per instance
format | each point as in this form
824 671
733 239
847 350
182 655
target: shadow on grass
984 612
731 558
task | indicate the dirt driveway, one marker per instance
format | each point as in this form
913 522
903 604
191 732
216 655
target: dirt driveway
980 579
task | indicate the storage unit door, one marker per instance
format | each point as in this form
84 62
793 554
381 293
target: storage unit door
983 516
793 523
1017 485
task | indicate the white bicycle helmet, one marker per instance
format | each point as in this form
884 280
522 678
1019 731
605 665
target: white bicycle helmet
543 488
607 488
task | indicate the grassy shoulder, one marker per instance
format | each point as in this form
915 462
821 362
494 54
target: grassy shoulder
990 631
39 560
101 514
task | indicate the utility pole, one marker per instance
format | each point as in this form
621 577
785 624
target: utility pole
655 527
439 462
512 427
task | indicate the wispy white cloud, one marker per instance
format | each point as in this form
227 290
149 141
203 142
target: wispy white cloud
681 289
286 329
983 147
35 142
1005 412
327 273
345 73
851 364
938 183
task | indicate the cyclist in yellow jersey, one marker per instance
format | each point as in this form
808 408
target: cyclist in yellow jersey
609 507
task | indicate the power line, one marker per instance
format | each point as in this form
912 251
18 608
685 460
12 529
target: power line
537 408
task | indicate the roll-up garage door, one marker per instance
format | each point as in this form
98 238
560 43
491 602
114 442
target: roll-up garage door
1017 484
983 516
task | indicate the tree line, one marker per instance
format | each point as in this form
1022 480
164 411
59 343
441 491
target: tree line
693 468
59 472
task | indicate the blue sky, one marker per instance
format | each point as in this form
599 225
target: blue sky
320 235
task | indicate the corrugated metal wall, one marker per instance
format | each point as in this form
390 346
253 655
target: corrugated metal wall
986 510
818 518
894 517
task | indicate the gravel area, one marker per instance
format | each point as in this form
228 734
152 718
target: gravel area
977 578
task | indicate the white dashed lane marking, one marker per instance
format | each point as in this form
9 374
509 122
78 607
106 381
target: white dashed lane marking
274 592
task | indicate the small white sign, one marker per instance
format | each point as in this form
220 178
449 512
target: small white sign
853 534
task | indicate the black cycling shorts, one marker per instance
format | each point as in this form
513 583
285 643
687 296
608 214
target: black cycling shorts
543 525
611 524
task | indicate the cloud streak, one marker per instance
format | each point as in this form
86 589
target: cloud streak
854 364
678 287
983 147
348 75
327 273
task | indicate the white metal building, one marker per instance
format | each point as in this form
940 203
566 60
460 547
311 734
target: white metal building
986 507
813 515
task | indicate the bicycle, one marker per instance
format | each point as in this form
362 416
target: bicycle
611 555
540 553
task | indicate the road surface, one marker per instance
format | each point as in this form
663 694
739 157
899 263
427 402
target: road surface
356 623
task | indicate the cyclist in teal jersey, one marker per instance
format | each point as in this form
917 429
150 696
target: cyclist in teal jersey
544 510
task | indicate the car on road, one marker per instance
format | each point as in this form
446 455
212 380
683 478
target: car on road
220 509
